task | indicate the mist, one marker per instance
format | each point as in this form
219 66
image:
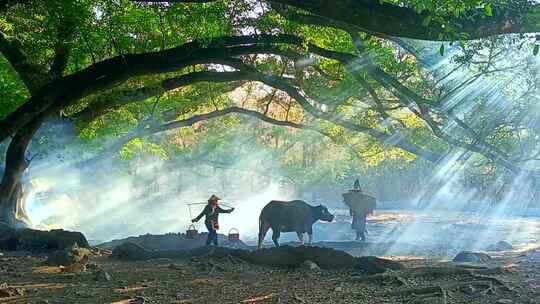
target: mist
106 200
155 193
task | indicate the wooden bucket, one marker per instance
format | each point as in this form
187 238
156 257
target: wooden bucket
191 232
234 235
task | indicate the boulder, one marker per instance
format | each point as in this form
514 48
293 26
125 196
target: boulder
471 257
309 266
39 240
66 257
131 251
469 290
102 276
30 239
7 291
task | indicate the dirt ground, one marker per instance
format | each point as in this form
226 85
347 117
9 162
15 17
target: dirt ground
205 280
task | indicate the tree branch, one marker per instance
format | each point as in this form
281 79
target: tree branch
391 139
385 19
142 132
114 100
31 75
247 73
103 75
59 61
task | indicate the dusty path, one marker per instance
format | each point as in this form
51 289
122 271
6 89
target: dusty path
225 281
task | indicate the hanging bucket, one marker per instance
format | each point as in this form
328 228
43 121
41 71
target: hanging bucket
234 235
191 232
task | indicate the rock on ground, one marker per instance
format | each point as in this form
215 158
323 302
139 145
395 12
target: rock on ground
7 291
102 276
310 266
38 240
471 257
283 256
68 257
131 251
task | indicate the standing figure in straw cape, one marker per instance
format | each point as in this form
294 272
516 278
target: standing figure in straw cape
360 205
212 211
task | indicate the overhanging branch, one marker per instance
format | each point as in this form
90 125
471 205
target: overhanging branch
31 75
385 19
105 74
143 132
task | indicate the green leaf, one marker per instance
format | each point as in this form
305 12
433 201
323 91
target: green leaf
489 9
535 50
441 50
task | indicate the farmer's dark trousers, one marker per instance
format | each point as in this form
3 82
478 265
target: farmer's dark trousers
212 235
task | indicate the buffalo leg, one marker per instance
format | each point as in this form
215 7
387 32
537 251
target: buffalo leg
275 236
300 237
310 235
262 233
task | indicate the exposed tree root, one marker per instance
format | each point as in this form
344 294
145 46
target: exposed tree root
421 295
400 275
438 293
429 298
413 291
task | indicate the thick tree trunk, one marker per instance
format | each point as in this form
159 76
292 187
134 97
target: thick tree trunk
11 188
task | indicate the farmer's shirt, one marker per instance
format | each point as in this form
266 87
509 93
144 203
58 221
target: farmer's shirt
211 213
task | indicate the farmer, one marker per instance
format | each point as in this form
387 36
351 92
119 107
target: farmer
360 205
212 211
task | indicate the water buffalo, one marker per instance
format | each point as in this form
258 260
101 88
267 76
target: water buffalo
289 216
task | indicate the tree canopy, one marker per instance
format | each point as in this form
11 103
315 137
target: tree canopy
355 74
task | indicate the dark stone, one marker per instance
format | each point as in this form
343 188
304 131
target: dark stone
102 276
30 239
131 251
68 257
309 266
469 290
472 257
39 240
7 291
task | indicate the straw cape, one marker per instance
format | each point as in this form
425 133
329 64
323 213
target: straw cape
359 202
